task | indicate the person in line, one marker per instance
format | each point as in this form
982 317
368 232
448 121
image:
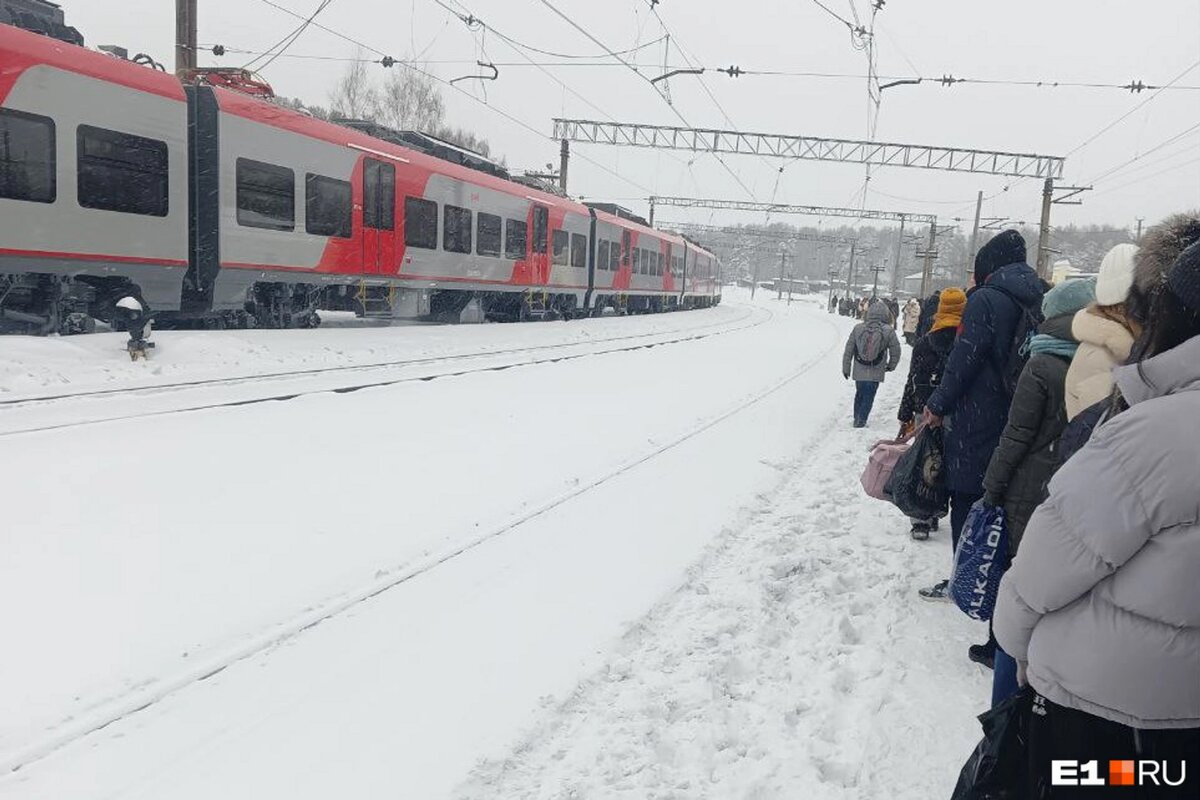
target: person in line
833 303
973 397
872 351
1101 607
929 308
1105 333
894 306
863 306
1026 458
925 371
1160 247
912 317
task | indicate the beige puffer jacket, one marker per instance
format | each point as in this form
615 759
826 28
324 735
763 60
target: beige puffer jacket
1104 344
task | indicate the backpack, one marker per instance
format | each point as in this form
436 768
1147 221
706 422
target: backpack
870 346
1018 348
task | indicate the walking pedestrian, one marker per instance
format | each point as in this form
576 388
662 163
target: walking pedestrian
973 396
925 371
929 308
912 317
872 351
1101 608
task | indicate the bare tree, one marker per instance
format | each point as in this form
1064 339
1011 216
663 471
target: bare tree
354 97
411 101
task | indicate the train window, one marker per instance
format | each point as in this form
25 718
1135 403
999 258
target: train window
456 235
658 259
645 262
27 157
541 227
637 257
560 248
326 206
614 257
121 172
578 250
626 246
266 195
514 239
487 243
420 223
379 195
602 255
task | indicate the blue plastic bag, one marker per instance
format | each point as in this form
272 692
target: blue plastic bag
980 561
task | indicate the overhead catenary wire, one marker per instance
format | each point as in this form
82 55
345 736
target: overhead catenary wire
566 18
287 41
496 110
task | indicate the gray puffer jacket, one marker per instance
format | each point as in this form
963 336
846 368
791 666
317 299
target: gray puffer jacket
1103 598
879 319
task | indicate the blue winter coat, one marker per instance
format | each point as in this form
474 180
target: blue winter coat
971 395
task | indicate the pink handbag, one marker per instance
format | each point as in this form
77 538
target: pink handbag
884 456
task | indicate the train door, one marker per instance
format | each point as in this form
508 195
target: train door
379 217
539 245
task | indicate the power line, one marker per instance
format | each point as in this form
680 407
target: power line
473 98
1131 111
287 41
1173 168
1157 147
637 72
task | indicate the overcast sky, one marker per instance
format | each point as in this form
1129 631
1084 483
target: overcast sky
1063 40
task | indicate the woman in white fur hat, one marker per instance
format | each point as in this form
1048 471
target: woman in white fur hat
1105 332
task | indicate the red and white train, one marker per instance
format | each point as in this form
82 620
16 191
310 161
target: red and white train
214 206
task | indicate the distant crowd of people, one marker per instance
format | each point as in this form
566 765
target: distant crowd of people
1086 433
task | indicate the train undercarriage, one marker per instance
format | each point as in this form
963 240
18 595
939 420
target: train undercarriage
42 304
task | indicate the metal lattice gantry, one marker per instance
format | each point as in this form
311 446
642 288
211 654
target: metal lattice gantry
902 217
693 228
789 208
848 151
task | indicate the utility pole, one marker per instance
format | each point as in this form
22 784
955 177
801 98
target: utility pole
1139 230
927 272
185 38
970 267
652 214
878 268
850 281
833 273
564 155
1043 252
779 283
896 264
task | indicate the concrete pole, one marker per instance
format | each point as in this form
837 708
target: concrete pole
833 273
970 267
185 38
779 283
1043 251
896 264
927 272
1139 230
564 156
651 212
850 280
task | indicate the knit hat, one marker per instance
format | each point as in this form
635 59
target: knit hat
1116 275
951 304
1069 297
1006 248
1183 279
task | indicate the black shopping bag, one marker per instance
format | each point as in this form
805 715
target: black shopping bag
998 769
918 485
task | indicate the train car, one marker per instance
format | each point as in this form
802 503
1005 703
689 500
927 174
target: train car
93 181
219 208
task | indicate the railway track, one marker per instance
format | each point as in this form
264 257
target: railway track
386 579
76 409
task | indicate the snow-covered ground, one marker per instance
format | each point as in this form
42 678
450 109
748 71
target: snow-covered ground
635 571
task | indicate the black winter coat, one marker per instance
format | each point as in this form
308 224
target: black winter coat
925 371
928 309
1027 456
972 396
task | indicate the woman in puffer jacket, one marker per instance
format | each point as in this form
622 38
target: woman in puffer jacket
1104 331
1103 600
